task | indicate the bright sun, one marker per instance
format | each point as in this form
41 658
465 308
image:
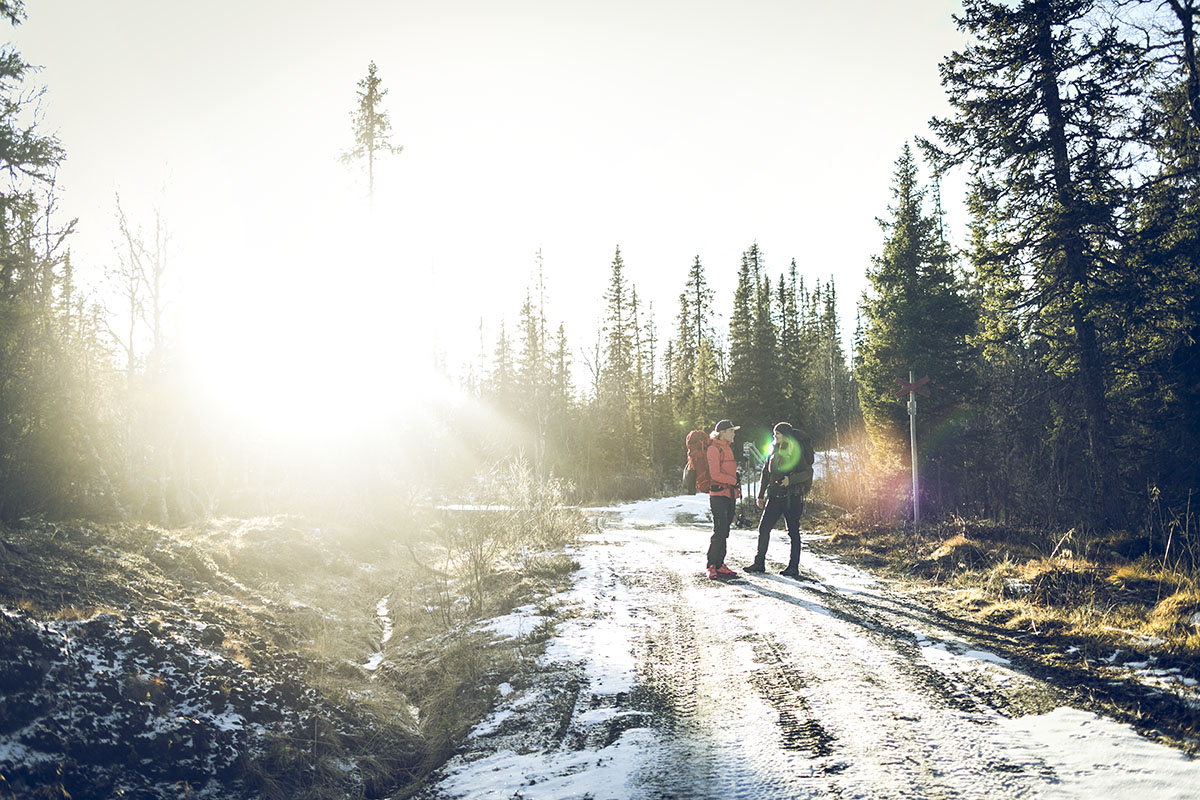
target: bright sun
318 343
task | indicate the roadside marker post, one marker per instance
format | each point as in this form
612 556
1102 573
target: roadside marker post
912 389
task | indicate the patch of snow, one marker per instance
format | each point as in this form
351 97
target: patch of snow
13 753
385 618
837 576
505 689
527 699
1196 619
598 638
661 510
955 654
983 655
601 775
491 724
229 721
1092 756
516 624
596 716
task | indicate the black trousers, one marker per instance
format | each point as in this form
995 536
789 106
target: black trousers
722 515
789 506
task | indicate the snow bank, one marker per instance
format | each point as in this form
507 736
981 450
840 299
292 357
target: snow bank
516 624
603 775
661 510
1096 757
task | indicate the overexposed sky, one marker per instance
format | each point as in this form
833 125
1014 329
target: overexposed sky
671 129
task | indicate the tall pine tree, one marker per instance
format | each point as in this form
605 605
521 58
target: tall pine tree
1042 106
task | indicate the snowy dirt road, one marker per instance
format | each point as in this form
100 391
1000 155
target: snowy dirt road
659 683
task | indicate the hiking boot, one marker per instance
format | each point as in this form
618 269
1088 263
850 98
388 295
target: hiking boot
712 572
757 566
791 572
725 572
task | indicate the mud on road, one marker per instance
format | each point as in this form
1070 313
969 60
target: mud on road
660 683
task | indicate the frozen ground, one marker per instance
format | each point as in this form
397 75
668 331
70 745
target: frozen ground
660 683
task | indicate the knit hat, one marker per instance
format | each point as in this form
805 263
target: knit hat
784 428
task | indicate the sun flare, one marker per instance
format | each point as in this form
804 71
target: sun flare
321 344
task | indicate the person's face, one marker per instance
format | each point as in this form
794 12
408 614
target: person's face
728 434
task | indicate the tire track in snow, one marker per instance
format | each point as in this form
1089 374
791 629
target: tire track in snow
854 711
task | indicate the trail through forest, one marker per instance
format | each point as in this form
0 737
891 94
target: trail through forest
659 683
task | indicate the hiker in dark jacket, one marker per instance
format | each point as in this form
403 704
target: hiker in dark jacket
786 478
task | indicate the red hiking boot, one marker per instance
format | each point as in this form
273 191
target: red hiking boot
712 573
725 572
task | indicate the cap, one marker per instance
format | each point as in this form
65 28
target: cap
725 425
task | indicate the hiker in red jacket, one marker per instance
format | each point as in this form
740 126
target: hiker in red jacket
721 495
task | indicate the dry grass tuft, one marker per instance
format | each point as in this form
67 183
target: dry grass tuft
1179 613
958 551
1103 592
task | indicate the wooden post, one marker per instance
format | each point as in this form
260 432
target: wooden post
912 389
912 425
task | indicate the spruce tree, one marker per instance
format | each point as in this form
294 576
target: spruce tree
682 364
919 318
616 380
791 354
501 387
1042 115
692 377
739 385
770 402
43 464
371 126
532 380
836 392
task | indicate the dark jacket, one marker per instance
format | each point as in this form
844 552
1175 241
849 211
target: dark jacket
794 460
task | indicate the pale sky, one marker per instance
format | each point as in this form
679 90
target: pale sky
671 129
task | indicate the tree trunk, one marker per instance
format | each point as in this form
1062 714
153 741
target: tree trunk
1070 240
1186 13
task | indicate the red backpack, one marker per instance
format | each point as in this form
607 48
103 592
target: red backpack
695 475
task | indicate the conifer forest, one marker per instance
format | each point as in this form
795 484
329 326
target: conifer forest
1061 344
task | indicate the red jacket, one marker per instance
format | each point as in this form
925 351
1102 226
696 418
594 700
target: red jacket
722 468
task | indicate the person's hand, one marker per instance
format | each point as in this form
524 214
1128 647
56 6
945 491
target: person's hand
785 481
760 502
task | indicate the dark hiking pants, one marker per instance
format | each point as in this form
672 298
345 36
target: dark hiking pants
789 506
722 515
